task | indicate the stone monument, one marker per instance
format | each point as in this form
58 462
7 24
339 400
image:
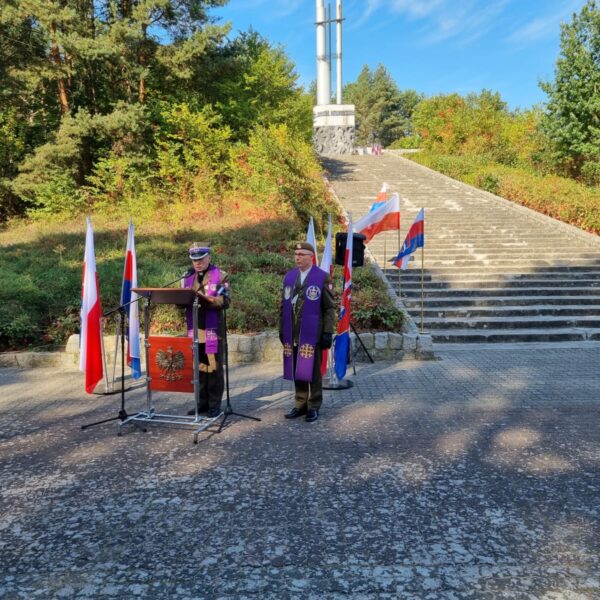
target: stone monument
333 124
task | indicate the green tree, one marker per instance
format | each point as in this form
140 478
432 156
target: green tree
572 120
82 69
253 84
383 112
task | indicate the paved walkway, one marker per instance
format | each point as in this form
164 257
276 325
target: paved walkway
473 476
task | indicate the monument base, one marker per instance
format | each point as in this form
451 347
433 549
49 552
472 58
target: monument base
333 129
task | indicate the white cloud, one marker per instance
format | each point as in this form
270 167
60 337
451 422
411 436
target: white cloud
544 26
440 20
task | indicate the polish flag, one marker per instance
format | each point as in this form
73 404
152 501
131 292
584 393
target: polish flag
381 198
327 258
130 298
311 239
384 218
90 341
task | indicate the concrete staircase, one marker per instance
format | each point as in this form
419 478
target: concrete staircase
493 271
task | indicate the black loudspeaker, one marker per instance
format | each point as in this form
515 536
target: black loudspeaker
358 249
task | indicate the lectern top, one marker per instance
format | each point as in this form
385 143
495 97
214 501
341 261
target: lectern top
179 296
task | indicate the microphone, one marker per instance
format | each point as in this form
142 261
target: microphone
189 272
223 291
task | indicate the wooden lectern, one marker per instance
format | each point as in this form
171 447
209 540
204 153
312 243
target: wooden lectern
172 363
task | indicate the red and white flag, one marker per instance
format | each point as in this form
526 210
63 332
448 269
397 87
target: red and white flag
385 217
327 258
382 196
312 240
90 340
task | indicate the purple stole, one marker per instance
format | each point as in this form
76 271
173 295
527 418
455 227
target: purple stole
309 323
212 314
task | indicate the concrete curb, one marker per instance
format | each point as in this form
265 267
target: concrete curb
243 349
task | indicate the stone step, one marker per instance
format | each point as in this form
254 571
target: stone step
546 292
465 301
413 276
500 322
529 310
508 263
462 336
494 284
493 271
506 256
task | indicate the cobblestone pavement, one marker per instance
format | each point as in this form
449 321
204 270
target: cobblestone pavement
472 476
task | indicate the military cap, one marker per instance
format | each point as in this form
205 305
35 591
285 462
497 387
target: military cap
304 246
199 250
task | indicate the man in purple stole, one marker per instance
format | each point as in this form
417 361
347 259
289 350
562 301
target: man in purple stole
212 285
307 319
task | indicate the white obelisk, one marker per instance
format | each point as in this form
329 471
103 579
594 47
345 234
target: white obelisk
333 124
323 75
338 48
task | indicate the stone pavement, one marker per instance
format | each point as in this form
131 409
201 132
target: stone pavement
476 475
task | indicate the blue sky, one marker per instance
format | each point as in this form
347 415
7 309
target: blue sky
432 46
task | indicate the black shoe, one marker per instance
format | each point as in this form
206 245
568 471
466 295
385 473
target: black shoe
214 412
295 412
313 415
192 411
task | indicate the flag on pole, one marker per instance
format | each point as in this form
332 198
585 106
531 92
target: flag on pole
327 258
384 218
90 340
127 296
381 198
327 266
342 339
415 238
311 239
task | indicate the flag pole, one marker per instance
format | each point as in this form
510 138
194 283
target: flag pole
114 369
384 252
399 246
422 285
107 387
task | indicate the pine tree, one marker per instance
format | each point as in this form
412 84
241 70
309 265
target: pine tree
383 112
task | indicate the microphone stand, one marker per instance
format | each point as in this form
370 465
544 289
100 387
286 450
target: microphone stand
228 408
122 414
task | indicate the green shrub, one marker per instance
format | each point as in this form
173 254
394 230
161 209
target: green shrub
409 142
489 182
279 170
58 196
590 172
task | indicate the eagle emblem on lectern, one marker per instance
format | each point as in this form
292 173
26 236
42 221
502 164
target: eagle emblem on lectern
170 363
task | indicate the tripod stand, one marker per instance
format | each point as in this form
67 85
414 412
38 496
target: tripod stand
228 412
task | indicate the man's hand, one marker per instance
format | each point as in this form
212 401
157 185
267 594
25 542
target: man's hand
204 299
326 340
